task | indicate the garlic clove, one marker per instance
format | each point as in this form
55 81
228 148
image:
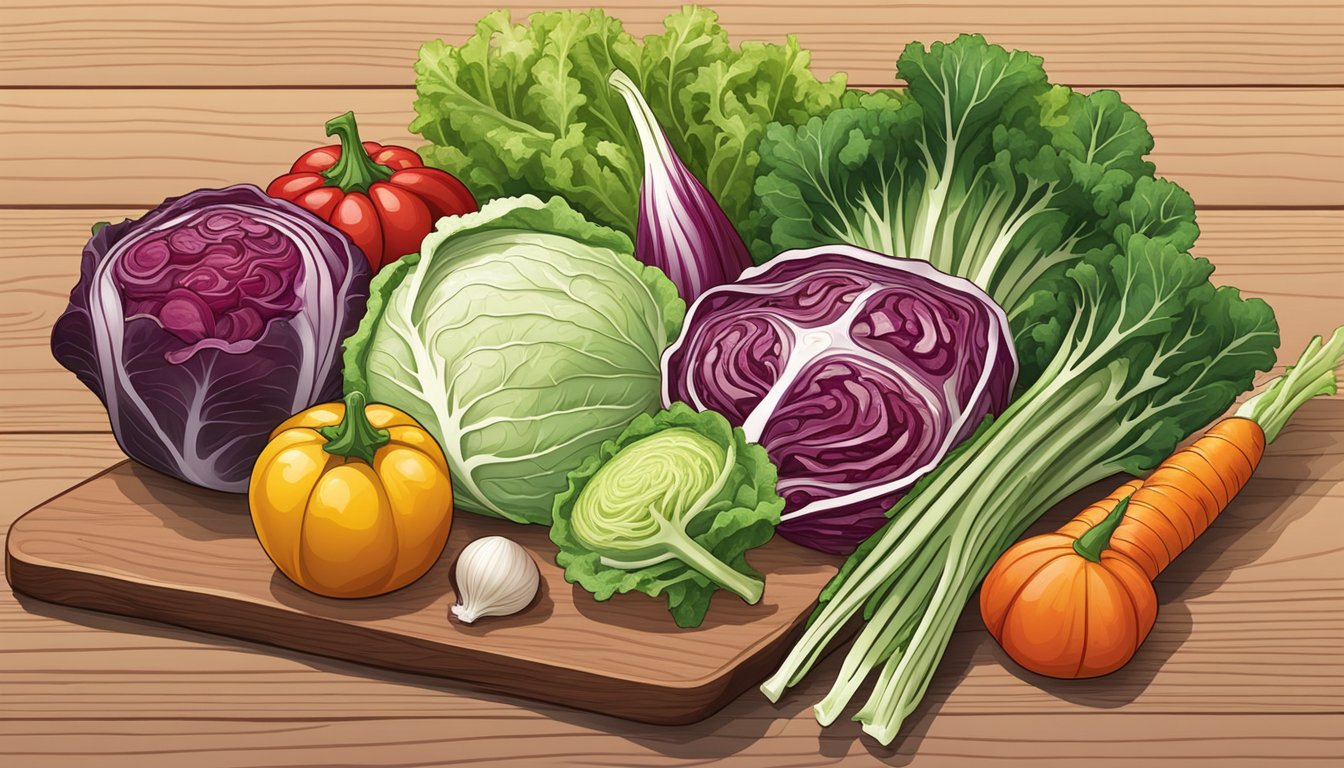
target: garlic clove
495 577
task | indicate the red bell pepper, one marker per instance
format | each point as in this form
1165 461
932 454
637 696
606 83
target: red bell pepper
382 197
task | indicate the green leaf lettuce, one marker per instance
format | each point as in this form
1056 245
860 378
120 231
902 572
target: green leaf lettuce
526 108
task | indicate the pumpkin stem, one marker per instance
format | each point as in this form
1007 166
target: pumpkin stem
354 437
1098 537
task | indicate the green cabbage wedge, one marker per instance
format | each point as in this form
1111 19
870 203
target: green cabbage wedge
670 507
522 337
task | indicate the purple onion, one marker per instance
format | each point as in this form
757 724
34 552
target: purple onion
682 230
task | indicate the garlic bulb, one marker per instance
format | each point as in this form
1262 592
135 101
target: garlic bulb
495 577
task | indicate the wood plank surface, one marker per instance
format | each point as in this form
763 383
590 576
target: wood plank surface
1291 258
259 42
1118 740
1229 147
38 467
1242 668
108 106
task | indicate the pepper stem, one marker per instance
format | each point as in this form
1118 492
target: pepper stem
1098 537
354 170
354 437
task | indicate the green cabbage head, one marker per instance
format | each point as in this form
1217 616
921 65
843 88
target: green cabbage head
522 337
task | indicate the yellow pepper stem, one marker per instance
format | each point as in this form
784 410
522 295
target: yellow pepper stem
354 437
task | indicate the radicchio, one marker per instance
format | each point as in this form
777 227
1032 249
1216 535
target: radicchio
856 371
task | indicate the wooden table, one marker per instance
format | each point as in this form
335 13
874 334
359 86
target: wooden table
108 107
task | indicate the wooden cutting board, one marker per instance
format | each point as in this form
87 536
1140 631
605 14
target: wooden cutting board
134 542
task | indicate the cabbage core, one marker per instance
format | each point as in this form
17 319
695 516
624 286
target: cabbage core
857 372
665 475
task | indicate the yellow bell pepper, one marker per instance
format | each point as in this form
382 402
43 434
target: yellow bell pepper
350 500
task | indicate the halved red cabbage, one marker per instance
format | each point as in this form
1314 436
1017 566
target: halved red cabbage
207 322
856 371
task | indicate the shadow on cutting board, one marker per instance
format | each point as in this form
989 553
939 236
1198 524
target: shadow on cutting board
196 513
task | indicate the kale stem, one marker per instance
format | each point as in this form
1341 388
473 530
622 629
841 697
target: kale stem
1002 503
888 629
901 538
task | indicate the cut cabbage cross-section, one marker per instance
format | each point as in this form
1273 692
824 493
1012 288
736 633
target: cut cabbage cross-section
856 371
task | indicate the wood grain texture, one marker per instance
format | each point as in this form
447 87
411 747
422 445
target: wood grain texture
1229 147
138 543
258 42
1291 258
1242 669
1116 740
34 468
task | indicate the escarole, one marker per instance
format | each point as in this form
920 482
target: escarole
526 108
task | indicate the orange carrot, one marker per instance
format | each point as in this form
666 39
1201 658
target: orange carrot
1170 509
1069 604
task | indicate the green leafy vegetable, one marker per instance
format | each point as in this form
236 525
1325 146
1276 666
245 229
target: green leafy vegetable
522 337
1041 196
983 168
527 109
669 507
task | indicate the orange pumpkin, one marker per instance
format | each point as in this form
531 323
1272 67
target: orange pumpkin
1067 604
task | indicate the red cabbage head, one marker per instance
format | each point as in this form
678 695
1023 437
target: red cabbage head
204 324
